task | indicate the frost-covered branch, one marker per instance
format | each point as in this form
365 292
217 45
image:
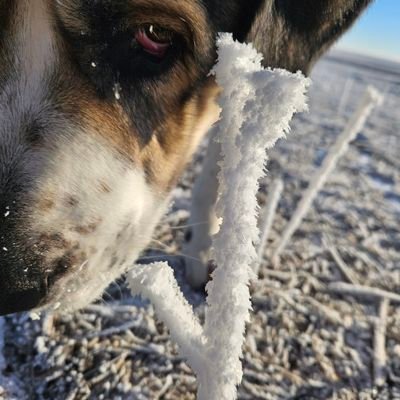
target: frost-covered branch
157 283
370 100
257 107
362 291
344 269
267 218
380 356
203 222
348 86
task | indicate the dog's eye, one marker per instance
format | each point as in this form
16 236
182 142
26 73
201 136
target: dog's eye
130 55
154 40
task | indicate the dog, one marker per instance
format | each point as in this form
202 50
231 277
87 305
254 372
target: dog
102 104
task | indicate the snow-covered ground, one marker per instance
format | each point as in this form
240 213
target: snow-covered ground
303 342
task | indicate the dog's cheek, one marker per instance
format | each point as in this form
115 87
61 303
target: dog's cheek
169 151
97 203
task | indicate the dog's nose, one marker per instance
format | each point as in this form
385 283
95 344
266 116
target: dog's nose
20 300
23 285
20 289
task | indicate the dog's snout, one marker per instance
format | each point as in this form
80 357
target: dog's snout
21 288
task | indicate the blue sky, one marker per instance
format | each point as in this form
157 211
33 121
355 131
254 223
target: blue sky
377 32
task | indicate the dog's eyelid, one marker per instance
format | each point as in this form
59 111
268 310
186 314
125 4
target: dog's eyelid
185 19
174 25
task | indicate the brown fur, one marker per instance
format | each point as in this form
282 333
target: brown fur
174 140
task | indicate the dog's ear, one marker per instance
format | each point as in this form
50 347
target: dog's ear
291 34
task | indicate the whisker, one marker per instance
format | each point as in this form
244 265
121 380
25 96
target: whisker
187 226
166 247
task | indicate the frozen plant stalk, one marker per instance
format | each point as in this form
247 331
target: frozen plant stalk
268 216
157 283
380 356
257 107
370 100
345 95
203 221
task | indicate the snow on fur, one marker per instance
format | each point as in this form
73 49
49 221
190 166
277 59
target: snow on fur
267 219
257 106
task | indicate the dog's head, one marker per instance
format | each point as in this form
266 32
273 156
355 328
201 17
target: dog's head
102 103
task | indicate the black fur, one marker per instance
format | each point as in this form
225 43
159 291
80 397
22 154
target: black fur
235 16
291 34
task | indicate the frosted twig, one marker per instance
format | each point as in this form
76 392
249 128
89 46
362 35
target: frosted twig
115 330
362 291
370 100
168 383
325 311
257 107
323 360
380 344
345 95
157 283
109 310
252 120
204 198
48 323
344 269
297 302
267 218
368 258
258 392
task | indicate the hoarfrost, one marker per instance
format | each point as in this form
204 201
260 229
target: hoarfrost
257 106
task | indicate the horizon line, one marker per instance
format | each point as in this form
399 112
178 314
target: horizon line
373 54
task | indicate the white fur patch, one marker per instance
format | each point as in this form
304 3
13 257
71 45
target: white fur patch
124 216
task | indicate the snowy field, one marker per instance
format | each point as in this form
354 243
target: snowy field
304 341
